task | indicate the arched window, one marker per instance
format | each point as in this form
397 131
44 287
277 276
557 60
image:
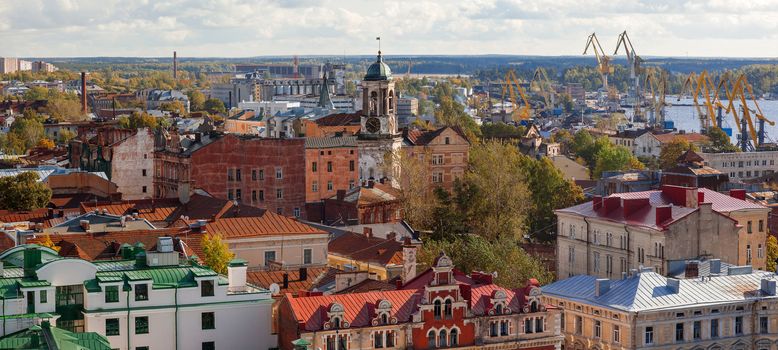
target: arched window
335 322
436 309
373 103
431 339
533 307
384 319
448 309
391 100
442 338
498 309
454 338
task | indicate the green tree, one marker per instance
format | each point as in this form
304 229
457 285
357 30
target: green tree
139 120
474 253
65 136
614 158
550 191
25 132
176 107
772 252
502 130
217 253
47 242
720 141
668 155
451 113
23 192
415 195
196 100
214 105
501 199
65 109
36 93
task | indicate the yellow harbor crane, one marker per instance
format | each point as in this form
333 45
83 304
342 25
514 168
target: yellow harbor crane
603 61
658 88
635 69
543 85
698 84
742 90
510 88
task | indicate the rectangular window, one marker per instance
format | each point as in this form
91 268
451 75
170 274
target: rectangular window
714 328
230 177
237 194
307 256
761 225
253 195
329 186
749 226
237 174
144 190
616 334
209 345
230 196
143 172
111 326
112 294
697 330
351 165
279 193
649 336
329 167
254 174
261 195
315 187
208 320
578 325
739 325
206 288
764 325
141 292
44 296
279 173
270 255
261 174
142 325
679 332
296 212
597 329
313 167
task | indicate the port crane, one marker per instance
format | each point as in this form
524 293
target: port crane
603 60
510 88
742 90
635 69
658 88
698 84
543 85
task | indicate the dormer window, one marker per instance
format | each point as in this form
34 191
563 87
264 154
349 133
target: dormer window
335 316
384 319
498 309
335 321
383 313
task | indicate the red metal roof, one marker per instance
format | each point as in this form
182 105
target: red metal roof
267 224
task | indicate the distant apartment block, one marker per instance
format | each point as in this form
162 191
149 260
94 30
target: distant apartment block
742 165
407 109
12 65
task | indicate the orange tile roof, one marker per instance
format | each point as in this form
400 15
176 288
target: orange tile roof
359 307
265 278
691 137
35 215
267 224
160 210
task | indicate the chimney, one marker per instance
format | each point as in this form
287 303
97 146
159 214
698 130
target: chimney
630 206
83 92
700 197
624 275
692 269
286 281
674 285
303 274
370 182
341 195
236 275
123 221
738 193
60 213
84 224
601 286
409 260
367 231
597 203
175 66
198 137
663 213
715 266
611 203
50 213
392 236
768 287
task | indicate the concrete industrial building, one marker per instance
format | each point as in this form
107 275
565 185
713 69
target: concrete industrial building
742 165
612 235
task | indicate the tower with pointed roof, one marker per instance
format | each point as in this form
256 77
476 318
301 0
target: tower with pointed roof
378 134
324 95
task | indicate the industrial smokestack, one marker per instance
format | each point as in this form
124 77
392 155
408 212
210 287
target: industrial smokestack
175 66
83 92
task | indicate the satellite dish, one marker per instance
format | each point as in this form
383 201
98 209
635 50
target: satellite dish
274 289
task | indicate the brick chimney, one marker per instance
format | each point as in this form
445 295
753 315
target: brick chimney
663 213
632 205
409 260
596 202
83 92
611 203
367 231
700 197
738 193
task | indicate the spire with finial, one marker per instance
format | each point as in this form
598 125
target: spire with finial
379 48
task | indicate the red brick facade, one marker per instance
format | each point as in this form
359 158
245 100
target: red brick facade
445 150
331 165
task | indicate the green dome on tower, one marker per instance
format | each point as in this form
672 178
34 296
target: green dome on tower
378 70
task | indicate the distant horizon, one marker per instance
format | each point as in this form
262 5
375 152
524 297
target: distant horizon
180 57
282 28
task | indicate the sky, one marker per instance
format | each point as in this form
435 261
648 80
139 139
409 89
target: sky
237 28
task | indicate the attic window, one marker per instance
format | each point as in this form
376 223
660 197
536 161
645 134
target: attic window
739 308
679 314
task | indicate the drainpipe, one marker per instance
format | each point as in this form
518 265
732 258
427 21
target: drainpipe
3 315
176 315
588 245
128 319
629 239
635 332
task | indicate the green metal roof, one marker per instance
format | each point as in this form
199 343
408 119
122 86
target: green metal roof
92 286
378 70
15 256
29 283
38 338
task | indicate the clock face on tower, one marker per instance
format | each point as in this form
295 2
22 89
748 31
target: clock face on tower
373 125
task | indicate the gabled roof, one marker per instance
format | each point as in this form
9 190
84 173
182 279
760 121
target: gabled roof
418 137
691 137
267 224
371 249
330 142
649 291
47 336
316 275
378 193
359 307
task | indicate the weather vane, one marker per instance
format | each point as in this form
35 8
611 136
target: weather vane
379 43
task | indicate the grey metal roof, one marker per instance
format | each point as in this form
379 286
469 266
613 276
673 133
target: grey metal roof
649 291
330 142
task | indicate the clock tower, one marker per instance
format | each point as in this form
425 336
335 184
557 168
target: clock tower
378 135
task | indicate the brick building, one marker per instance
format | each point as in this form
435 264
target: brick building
126 156
331 165
262 172
372 204
441 308
446 150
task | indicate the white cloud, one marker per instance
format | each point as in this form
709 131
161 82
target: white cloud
269 27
